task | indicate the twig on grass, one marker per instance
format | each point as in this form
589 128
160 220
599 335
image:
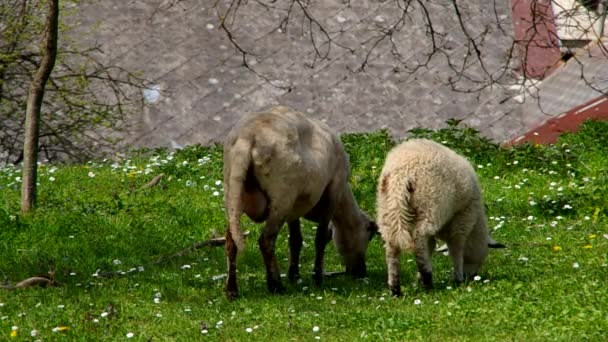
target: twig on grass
153 182
213 242
41 281
334 274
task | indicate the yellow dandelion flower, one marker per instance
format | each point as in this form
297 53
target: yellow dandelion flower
132 174
587 246
557 248
592 236
61 329
13 333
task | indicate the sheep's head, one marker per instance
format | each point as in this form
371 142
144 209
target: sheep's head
476 251
477 246
352 241
474 256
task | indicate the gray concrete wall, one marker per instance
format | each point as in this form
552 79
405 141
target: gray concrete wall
205 88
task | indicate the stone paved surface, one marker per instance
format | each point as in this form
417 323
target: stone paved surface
204 88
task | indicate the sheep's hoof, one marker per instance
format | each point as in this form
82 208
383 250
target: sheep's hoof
358 272
426 278
458 280
396 290
276 288
317 278
232 294
293 275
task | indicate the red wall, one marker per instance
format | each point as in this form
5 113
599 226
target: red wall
537 43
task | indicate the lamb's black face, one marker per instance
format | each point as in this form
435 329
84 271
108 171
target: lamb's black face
372 230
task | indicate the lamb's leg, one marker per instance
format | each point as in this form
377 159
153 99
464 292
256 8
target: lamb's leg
231 289
267 246
322 237
393 265
423 255
456 250
295 246
459 229
432 245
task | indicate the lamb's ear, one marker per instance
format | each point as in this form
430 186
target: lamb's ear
372 227
494 244
442 248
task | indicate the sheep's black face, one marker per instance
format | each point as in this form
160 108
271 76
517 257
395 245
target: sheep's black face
352 245
355 258
356 266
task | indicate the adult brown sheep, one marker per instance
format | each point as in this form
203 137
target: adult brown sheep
279 166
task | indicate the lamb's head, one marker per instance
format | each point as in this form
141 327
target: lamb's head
351 241
476 251
475 254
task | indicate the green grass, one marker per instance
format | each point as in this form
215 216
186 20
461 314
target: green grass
547 203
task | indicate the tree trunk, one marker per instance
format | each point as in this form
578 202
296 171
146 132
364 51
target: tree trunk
34 103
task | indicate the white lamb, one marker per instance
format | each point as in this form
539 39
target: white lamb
427 191
279 166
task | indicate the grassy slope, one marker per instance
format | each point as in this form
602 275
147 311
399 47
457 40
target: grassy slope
547 203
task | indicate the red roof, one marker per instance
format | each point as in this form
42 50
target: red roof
550 130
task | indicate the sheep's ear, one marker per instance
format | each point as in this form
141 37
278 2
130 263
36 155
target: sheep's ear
494 244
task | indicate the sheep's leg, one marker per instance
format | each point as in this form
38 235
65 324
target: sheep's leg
321 213
459 229
295 246
322 237
423 256
456 249
267 246
432 245
231 289
393 265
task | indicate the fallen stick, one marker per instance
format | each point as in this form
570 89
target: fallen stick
41 281
34 281
333 274
214 242
153 182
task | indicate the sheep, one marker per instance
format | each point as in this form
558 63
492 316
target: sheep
427 191
279 166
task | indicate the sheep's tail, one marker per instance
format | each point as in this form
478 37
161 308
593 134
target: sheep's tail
238 162
397 218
